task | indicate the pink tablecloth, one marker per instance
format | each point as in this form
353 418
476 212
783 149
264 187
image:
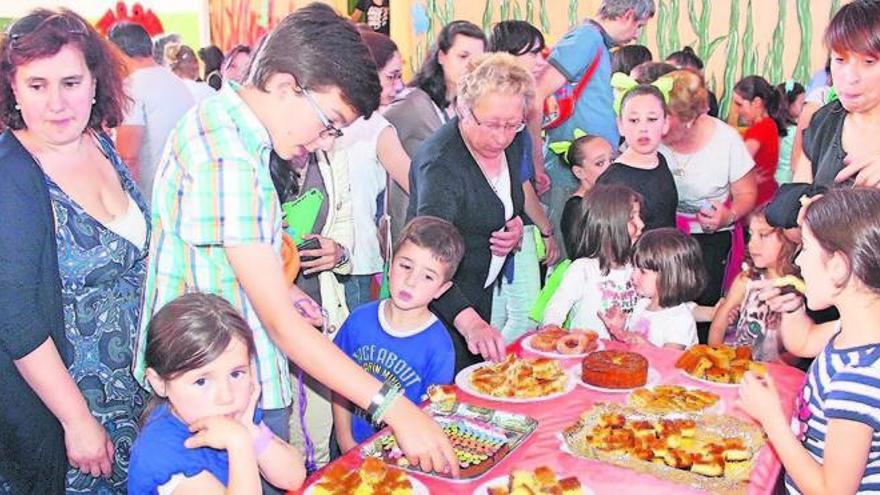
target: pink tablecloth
543 446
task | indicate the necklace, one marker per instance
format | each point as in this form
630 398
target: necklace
682 162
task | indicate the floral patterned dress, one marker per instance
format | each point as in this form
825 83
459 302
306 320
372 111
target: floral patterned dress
102 277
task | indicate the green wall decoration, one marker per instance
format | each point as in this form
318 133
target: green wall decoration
732 52
805 22
759 37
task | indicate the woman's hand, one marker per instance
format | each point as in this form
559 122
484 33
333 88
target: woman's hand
422 441
759 398
481 337
862 170
89 448
714 217
326 257
504 241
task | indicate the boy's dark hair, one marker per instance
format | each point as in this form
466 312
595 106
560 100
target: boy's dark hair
430 77
516 38
847 221
322 50
644 89
628 57
685 58
605 213
438 236
678 261
190 332
132 39
752 87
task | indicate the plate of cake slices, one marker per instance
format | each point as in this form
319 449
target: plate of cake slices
541 480
516 380
372 476
555 342
720 366
617 372
675 399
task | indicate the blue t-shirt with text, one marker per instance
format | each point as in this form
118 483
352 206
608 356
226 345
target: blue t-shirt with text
414 360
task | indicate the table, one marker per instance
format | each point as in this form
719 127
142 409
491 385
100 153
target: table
543 446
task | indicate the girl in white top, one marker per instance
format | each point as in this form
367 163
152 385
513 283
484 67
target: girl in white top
668 273
599 278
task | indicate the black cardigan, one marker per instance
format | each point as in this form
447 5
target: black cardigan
446 182
32 455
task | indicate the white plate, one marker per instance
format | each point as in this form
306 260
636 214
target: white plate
503 480
653 379
527 345
463 380
708 382
418 487
716 408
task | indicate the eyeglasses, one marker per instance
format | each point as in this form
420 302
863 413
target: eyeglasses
330 131
492 126
31 24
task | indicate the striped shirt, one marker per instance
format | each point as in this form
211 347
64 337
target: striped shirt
841 384
213 190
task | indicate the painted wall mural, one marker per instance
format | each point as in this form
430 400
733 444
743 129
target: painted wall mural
778 40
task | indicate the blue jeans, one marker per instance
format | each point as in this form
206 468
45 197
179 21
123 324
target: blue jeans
278 420
357 290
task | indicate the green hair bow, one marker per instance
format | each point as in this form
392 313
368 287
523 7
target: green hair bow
622 83
563 147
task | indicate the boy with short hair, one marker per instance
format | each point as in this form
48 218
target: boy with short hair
398 340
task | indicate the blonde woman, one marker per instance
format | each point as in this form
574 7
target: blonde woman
468 172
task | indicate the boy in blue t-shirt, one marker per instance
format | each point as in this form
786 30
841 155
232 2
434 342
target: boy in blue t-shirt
399 340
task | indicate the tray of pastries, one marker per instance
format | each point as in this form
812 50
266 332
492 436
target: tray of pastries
556 342
709 452
480 437
372 476
541 480
673 399
718 365
516 379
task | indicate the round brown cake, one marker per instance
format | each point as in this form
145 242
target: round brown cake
615 369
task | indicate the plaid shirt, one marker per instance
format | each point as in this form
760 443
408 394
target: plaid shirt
212 191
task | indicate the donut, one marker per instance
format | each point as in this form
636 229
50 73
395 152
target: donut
575 343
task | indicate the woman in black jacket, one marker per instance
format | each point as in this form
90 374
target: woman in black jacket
469 172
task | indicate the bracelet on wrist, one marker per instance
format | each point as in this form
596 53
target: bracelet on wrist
386 405
379 398
547 236
263 439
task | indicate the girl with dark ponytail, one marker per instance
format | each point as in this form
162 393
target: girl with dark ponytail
760 107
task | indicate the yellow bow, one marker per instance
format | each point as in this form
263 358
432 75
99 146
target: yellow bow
622 83
562 147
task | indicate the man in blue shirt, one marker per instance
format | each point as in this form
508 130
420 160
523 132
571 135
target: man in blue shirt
586 46
399 340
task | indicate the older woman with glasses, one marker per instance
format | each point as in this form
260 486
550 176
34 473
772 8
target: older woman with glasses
73 246
469 172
